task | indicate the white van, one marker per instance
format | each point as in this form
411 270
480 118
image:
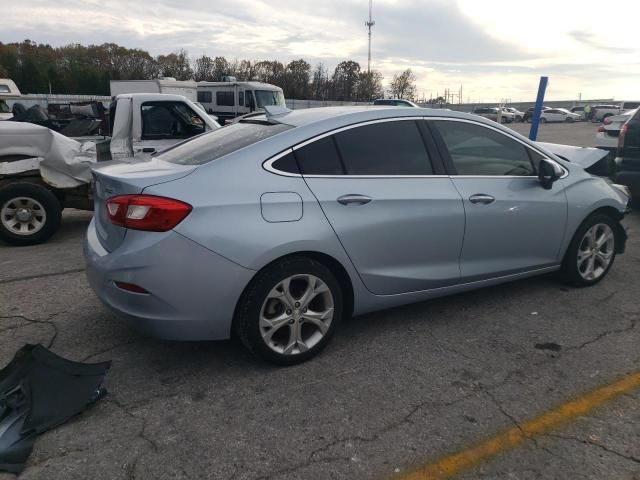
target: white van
8 90
227 100
167 85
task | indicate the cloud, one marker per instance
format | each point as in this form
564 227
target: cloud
487 46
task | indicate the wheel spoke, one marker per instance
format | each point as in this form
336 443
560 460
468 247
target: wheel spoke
315 287
583 256
606 236
273 325
319 319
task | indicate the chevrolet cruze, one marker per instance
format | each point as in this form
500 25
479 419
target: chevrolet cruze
283 224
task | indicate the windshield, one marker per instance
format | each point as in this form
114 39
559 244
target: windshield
268 97
220 142
4 108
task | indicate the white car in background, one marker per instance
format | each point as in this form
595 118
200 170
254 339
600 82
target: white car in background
492 114
559 115
609 131
518 116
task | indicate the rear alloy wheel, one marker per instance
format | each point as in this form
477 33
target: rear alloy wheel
290 311
592 251
29 213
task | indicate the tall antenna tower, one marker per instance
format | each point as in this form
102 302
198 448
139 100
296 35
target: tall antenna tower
370 24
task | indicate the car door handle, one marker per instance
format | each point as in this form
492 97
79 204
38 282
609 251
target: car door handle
482 198
354 199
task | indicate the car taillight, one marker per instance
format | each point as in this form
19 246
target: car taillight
607 121
623 132
601 129
146 212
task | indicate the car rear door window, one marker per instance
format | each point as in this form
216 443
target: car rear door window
385 148
320 158
481 151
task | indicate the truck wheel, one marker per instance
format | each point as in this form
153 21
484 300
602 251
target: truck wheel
29 213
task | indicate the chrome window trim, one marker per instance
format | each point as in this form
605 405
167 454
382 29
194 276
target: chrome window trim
268 164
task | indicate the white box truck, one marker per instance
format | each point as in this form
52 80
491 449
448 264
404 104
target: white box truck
169 85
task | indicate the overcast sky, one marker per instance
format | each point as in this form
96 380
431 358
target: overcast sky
494 48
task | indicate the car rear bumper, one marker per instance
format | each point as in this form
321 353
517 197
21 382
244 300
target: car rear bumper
193 291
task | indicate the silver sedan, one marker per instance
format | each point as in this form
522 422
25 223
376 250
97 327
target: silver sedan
282 225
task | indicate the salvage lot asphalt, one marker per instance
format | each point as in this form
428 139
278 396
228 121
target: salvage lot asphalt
395 390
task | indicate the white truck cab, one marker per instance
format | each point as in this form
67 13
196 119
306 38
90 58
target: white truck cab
44 172
147 123
230 99
8 90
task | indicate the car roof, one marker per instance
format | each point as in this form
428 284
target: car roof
339 116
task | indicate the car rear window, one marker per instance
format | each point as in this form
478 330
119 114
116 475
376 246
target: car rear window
211 146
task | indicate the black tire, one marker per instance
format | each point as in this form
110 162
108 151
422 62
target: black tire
568 120
50 204
569 271
249 309
543 120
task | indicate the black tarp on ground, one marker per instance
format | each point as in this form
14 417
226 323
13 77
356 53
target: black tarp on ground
38 391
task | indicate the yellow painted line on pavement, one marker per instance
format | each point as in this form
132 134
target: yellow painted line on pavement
466 459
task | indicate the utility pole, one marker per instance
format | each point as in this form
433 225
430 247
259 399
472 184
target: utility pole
370 24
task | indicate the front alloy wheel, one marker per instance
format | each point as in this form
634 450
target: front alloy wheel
595 252
592 250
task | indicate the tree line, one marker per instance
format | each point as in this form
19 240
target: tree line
87 70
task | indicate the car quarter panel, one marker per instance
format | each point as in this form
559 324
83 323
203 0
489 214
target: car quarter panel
228 217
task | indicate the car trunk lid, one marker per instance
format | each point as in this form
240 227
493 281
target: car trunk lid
122 178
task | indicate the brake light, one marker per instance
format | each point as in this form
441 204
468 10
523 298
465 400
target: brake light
623 132
601 129
146 212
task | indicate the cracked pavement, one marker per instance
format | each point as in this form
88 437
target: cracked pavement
394 390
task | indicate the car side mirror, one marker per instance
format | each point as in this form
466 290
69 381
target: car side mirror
548 173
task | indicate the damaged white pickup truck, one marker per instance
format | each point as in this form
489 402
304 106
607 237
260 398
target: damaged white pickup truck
42 172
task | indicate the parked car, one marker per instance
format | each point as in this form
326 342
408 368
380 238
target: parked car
628 155
608 133
280 226
558 115
518 116
492 114
529 113
395 102
600 112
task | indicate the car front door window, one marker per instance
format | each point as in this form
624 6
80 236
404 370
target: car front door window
480 151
